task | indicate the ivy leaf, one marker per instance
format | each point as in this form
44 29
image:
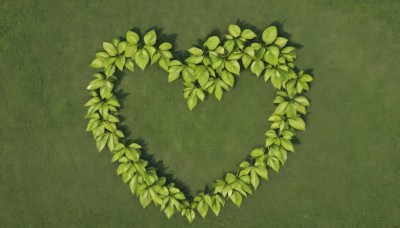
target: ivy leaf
269 35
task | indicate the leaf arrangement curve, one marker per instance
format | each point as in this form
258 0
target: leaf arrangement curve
209 69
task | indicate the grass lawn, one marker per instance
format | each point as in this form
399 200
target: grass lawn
346 169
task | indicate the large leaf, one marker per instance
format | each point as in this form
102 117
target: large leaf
234 30
132 37
109 48
142 58
297 123
269 35
150 38
212 42
248 34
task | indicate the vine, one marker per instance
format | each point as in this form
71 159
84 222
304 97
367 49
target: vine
209 69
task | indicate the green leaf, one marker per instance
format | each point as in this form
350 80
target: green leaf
132 155
234 30
97 63
200 94
269 35
287 144
165 46
246 60
233 66
228 78
129 65
257 67
248 34
236 198
280 42
212 43
150 38
302 100
257 152
121 47
272 55
202 75
297 123
230 178
130 50
262 171
120 62
109 48
145 198
280 109
192 102
218 91
195 51
255 180
142 58
132 37
273 163
202 208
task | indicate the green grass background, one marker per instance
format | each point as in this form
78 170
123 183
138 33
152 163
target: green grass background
345 171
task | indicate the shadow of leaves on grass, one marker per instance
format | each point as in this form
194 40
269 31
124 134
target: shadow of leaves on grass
162 169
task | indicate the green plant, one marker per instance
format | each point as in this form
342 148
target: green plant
209 69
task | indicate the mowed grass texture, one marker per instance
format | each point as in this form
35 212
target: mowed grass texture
346 168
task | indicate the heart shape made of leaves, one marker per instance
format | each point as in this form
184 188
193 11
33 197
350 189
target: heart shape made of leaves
210 69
